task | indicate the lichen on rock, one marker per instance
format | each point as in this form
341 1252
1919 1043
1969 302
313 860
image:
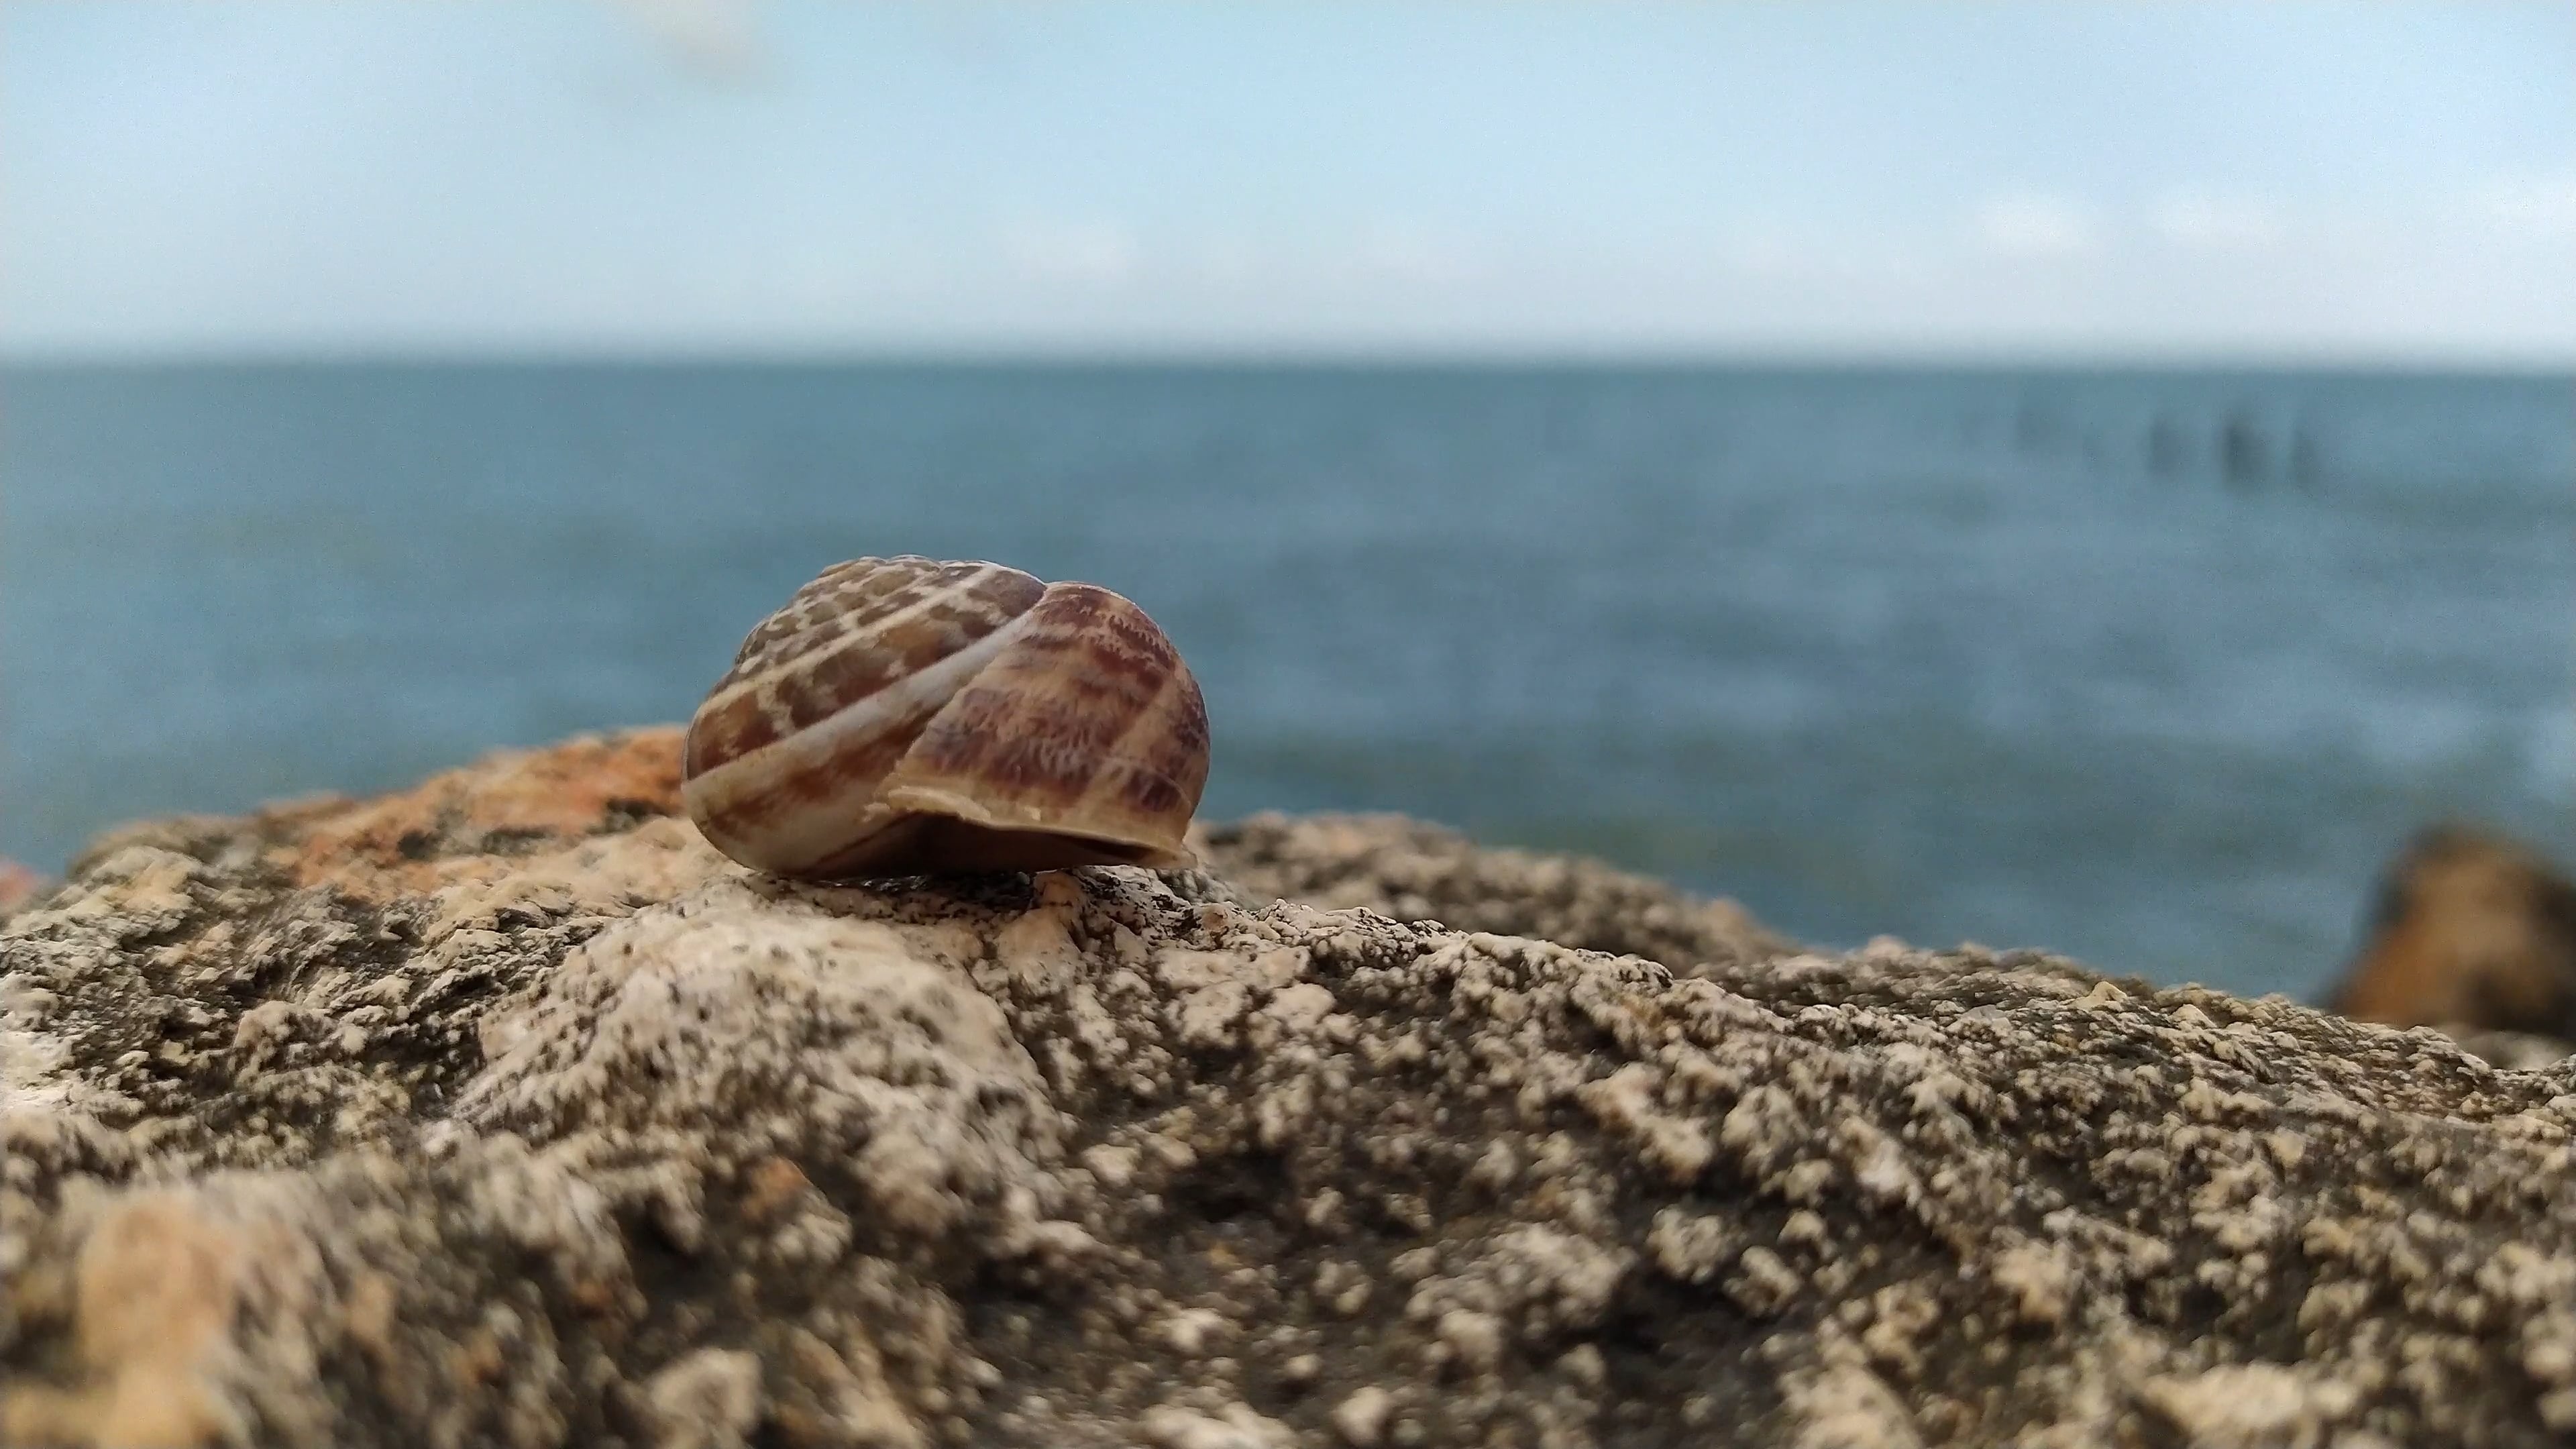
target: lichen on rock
504 1111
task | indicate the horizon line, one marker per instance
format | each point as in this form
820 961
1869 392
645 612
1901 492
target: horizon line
1289 358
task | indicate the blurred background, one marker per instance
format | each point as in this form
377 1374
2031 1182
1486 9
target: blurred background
2093 477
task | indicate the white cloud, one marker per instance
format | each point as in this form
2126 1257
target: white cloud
2539 204
1228 259
2201 222
2034 225
719 39
1768 249
1406 250
1097 252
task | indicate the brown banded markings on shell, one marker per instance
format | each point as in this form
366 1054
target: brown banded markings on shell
906 714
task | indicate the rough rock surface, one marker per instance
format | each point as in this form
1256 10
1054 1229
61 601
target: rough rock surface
502 1111
1408 871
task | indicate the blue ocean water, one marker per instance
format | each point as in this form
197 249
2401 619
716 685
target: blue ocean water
2152 668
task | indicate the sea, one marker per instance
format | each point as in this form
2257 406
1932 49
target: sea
2155 668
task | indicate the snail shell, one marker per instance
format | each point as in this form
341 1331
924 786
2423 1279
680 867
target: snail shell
906 715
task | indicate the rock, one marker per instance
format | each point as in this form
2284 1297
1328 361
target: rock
1410 871
1361 1418
504 1111
708 1400
2475 935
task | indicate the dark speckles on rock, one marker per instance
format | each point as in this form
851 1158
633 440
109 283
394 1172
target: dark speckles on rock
602 1142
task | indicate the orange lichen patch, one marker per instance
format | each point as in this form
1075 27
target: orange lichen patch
558 794
771 1186
157 1286
2470 931
371 1315
18 884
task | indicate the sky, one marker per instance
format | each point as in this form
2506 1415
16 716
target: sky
2282 181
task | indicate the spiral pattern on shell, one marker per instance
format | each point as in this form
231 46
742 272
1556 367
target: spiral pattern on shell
906 715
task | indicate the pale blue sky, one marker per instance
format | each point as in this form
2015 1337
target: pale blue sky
2381 181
